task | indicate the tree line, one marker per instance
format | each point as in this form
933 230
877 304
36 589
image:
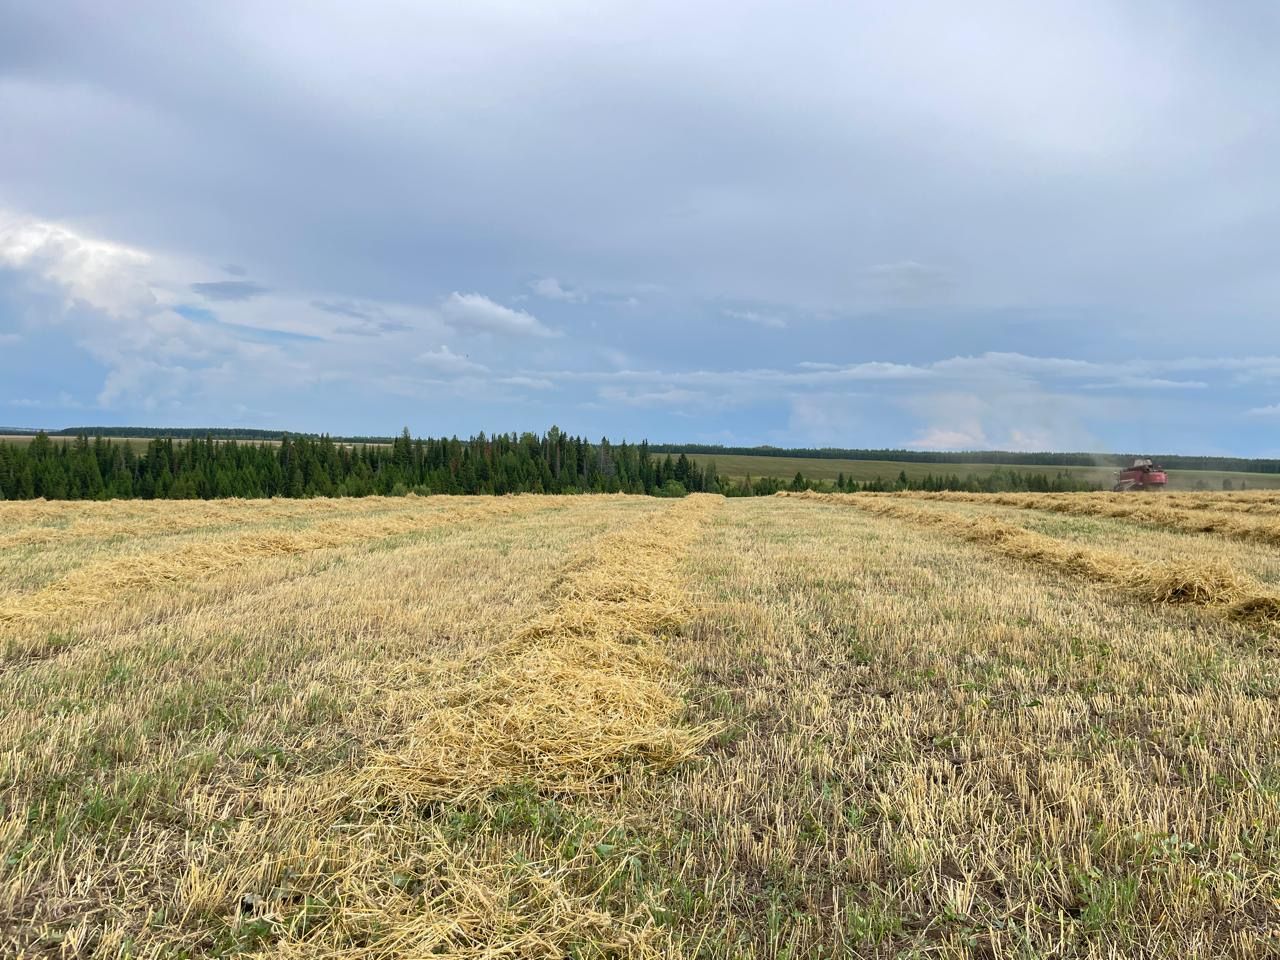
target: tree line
997 481
994 457
101 468
167 468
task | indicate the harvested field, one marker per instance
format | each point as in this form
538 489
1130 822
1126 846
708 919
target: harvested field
1251 520
805 726
1207 582
737 466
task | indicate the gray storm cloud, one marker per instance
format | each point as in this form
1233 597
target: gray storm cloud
709 187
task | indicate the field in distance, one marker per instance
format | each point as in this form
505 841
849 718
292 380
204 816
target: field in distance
610 726
737 466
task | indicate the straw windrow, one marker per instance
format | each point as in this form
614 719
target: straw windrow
42 522
576 694
105 582
1246 527
282 800
1207 584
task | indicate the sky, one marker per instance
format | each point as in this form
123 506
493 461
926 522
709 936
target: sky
988 225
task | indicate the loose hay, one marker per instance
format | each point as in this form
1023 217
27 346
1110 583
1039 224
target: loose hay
1209 584
931 755
577 694
436 896
110 580
1213 516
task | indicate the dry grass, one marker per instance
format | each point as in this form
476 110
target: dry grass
1246 521
576 692
193 823
941 754
44 521
1203 582
621 727
106 581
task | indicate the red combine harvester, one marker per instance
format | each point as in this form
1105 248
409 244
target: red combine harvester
1143 475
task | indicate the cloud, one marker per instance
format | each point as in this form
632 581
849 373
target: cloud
109 276
1008 415
232 290
344 308
235 270
474 312
909 282
826 418
942 438
1245 370
1271 410
550 288
63 401
755 378
668 397
444 361
1146 383
10 337
148 383
127 309
759 319
534 383
371 319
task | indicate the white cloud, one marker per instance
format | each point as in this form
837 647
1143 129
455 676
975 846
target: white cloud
1009 415
1245 369
1271 410
943 438
146 383
1146 383
10 337
551 289
108 276
135 312
229 290
985 365
534 383
663 397
829 419
1033 438
809 375
476 312
759 319
444 361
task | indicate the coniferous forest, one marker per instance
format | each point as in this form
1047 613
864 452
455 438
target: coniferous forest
102 468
